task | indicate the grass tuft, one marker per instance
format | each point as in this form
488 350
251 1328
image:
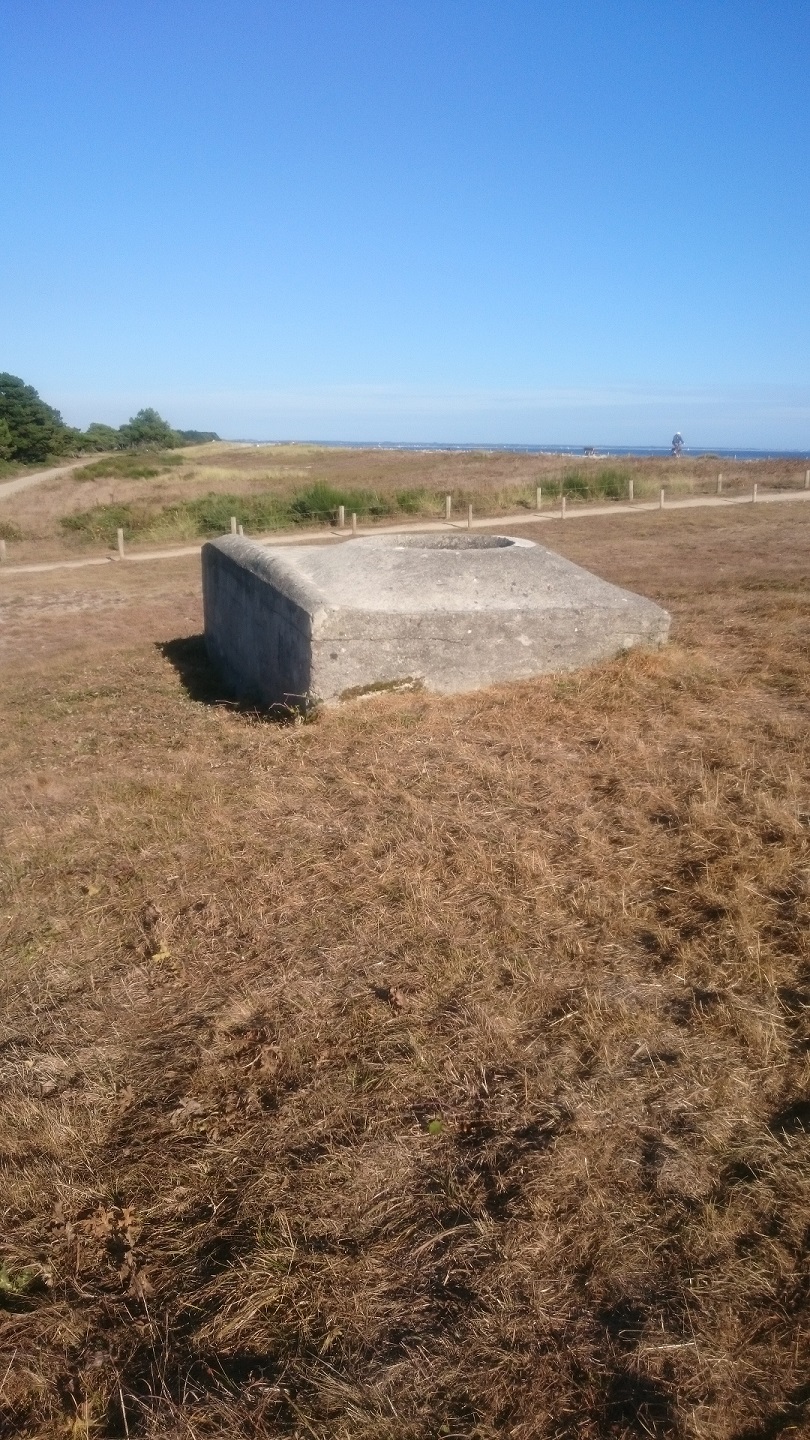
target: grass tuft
321 500
604 483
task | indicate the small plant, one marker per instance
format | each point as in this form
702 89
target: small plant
612 483
411 502
574 483
525 499
320 502
9 531
608 483
211 514
16 1284
102 522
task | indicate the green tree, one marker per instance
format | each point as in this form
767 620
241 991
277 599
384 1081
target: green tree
148 431
6 441
36 429
100 437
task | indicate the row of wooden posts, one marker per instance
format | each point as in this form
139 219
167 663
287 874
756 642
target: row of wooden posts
448 510
448 504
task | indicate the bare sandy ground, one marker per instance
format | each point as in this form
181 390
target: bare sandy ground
37 477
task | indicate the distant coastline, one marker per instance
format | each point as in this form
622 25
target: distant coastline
582 452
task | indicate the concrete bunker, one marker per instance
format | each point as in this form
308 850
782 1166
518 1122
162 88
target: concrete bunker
308 625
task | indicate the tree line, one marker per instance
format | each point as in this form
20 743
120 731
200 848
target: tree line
32 431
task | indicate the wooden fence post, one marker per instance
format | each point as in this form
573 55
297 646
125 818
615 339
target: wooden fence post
233 524
448 506
354 523
2 552
341 517
630 488
661 499
562 506
719 484
469 517
120 538
539 496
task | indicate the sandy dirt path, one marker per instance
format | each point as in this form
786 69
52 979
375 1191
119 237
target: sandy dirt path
26 482
422 527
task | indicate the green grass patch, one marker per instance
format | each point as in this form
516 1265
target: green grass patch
612 483
577 485
101 523
187 520
415 502
9 531
16 1283
321 501
128 466
606 483
211 514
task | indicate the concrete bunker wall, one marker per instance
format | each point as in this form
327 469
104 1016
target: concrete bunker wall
259 638
450 612
449 653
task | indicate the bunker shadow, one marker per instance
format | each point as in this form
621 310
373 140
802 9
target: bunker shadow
203 683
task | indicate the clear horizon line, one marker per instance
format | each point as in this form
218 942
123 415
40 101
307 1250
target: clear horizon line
541 447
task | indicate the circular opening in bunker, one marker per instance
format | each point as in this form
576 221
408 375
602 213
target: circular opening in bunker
458 542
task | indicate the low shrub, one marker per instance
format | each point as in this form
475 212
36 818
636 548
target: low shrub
211 514
612 483
524 499
411 502
189 519
321 500
574 483
102 521
9 531
129 466
608 483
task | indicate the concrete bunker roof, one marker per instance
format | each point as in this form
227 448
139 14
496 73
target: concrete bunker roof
431 574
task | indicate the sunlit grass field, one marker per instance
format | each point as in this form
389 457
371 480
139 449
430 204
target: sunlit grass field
434 1069
184 496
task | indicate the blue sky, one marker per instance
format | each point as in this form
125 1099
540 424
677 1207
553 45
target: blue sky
462 220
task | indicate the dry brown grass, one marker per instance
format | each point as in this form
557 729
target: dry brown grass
494 482
435 1069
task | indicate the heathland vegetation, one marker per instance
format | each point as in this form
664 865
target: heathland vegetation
173 495
33 432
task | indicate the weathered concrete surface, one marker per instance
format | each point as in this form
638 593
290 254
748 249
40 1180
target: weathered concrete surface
448 612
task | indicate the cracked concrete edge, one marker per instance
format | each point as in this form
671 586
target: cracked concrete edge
242 553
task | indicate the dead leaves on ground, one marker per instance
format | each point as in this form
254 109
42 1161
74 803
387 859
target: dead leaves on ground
394 996
99 1239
